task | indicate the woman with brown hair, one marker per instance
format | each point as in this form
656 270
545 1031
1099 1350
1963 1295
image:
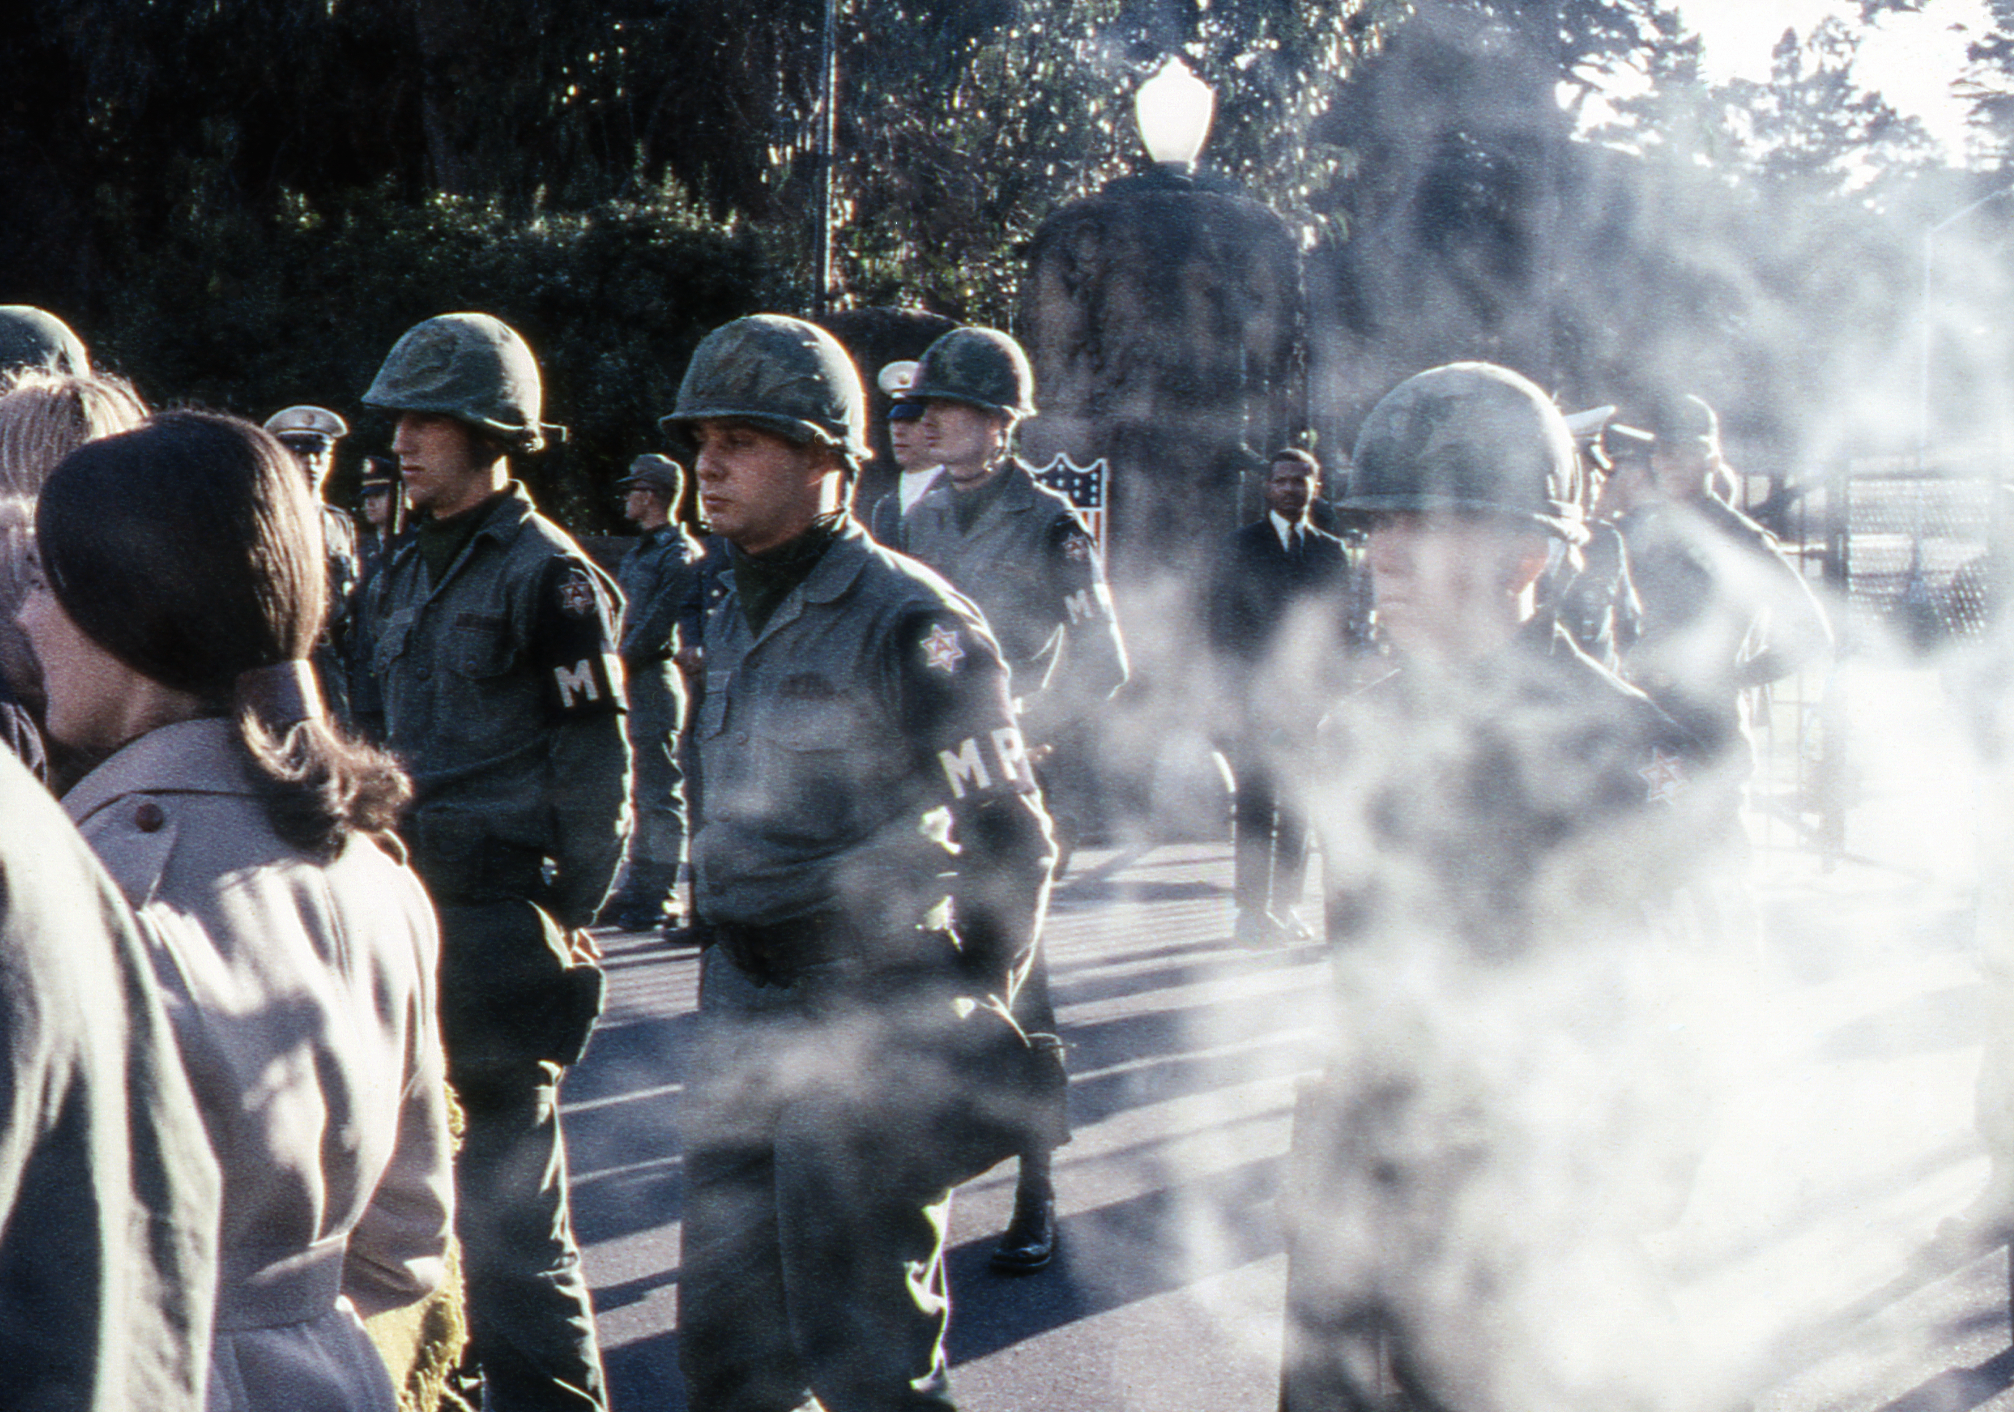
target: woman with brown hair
182 591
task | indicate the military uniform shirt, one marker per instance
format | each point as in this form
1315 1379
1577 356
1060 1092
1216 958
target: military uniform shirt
873 700
1031 566
503 698
656 576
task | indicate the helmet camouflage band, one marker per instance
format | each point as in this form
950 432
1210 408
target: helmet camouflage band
782 374
1469 439
981 367
471 367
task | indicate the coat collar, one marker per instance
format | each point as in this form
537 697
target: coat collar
190 757
1017 493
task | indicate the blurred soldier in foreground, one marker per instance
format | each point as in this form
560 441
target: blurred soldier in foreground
311 433
1019 550
656 576
494 645
1722 610
108 1223
34 340
1500 1119
1266 574
870 870
919 468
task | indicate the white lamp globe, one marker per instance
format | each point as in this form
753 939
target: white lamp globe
1173 110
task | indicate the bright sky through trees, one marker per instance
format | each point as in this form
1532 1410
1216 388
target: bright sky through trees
1910 58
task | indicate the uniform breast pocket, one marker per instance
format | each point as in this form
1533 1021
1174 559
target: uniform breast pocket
483 650
809 727
391 644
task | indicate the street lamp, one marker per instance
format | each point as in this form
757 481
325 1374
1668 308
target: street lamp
1173 110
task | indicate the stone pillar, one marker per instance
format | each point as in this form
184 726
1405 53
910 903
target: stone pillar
1165 323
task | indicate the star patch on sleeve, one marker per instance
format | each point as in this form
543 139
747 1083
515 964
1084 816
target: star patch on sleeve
1664 776
576 594
942 650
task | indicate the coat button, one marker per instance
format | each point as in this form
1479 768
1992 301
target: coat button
148 817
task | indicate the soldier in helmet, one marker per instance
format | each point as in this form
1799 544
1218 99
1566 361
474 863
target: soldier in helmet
870 866
1722 610
494 644
1500 1117
1019 550
657 576
311 433
32 338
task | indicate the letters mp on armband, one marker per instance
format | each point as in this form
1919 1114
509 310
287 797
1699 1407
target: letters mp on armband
580 684
965 767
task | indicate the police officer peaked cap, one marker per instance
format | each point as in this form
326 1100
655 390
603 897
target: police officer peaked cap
780 373
896 379
36 338
307 421
1468 439
379 475
473 368
654 472
981 367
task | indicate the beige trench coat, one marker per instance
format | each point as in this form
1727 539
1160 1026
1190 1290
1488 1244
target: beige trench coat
301 993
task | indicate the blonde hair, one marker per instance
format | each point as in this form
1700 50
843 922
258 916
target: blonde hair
44 416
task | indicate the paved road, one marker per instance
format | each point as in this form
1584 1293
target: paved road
1849 1142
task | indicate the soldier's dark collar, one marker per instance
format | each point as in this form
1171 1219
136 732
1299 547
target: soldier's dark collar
762 581
968 505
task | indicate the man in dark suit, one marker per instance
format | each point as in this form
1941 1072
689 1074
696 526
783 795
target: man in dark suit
1268 570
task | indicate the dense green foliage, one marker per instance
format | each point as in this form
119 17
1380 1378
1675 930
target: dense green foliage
244 201
252 312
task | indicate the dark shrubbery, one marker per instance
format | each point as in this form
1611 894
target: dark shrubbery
250 313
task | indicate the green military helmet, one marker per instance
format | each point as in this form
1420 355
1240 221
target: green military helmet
1688 420
982 367
36 338
1469 439
780 373
471 367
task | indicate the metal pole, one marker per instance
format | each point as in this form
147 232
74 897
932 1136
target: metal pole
828 128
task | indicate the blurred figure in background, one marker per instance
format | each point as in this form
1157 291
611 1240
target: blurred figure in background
1723 611
183 590
311 434
1266 573
382 503
919 468
656 576
1510 1104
